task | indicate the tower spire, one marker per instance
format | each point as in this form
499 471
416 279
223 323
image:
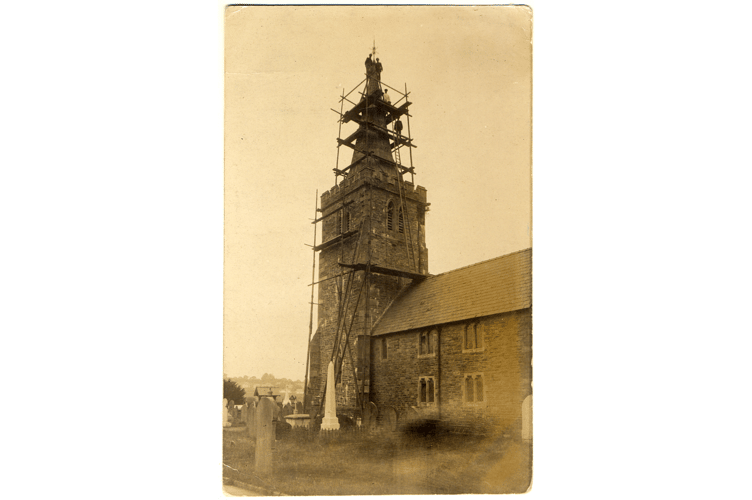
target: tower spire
372 112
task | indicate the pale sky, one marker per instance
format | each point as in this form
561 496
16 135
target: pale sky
469 73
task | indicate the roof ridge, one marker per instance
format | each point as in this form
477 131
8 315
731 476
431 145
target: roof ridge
479 263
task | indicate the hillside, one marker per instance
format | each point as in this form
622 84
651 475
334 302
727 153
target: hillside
249 384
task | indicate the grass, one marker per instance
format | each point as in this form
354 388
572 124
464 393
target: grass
385 464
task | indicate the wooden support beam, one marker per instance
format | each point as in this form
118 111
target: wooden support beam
385 270
352 136
401 138
334 240
333 211
345 170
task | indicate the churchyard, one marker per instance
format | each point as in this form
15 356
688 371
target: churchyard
356 461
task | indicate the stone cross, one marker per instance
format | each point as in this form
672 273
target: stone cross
264 436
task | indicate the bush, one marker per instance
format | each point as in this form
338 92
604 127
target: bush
233 392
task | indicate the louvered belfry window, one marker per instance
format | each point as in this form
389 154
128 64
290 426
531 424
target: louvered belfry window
401 222
390 216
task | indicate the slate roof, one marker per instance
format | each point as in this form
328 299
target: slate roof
493 286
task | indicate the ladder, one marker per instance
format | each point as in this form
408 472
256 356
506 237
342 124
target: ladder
403 205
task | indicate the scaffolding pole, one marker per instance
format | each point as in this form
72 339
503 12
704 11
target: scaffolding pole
310 319
412 175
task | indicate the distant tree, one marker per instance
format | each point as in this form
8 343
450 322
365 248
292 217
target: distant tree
233 392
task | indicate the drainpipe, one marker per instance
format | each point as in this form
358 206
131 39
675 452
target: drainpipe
438 370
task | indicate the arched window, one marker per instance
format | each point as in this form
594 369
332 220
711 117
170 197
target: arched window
473 337
469 390
427 391
343 217
473 392
428 343
390 216
401 222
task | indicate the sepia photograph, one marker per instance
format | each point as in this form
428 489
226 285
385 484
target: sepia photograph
326 212
378 250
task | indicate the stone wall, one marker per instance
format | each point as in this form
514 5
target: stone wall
388 249
505 362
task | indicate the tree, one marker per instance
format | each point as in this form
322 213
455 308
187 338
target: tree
233 392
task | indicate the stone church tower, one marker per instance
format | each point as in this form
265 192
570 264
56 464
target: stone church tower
373 240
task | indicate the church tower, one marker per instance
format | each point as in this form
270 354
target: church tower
373 238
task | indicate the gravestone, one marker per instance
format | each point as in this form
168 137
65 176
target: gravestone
412 414
244 413
224 412
252 422
233 411
330 421
298 408
390 418
264 437
371 412
527 418
288 409
276 411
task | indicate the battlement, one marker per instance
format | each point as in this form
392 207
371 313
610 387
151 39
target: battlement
378 180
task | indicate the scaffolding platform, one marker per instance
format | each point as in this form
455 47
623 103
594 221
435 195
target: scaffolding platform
385 270
336 239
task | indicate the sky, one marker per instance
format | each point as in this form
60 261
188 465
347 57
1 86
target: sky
468 71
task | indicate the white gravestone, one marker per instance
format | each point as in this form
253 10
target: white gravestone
330 421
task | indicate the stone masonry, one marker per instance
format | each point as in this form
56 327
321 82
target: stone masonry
361 222
505 362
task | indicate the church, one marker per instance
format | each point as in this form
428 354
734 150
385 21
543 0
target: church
455 348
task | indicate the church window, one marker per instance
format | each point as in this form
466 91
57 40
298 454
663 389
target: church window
472 340
383 348
390 216
427 389
401 222
428 342
344 221
473 389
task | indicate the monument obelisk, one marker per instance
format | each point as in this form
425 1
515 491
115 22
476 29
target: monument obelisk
330 422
